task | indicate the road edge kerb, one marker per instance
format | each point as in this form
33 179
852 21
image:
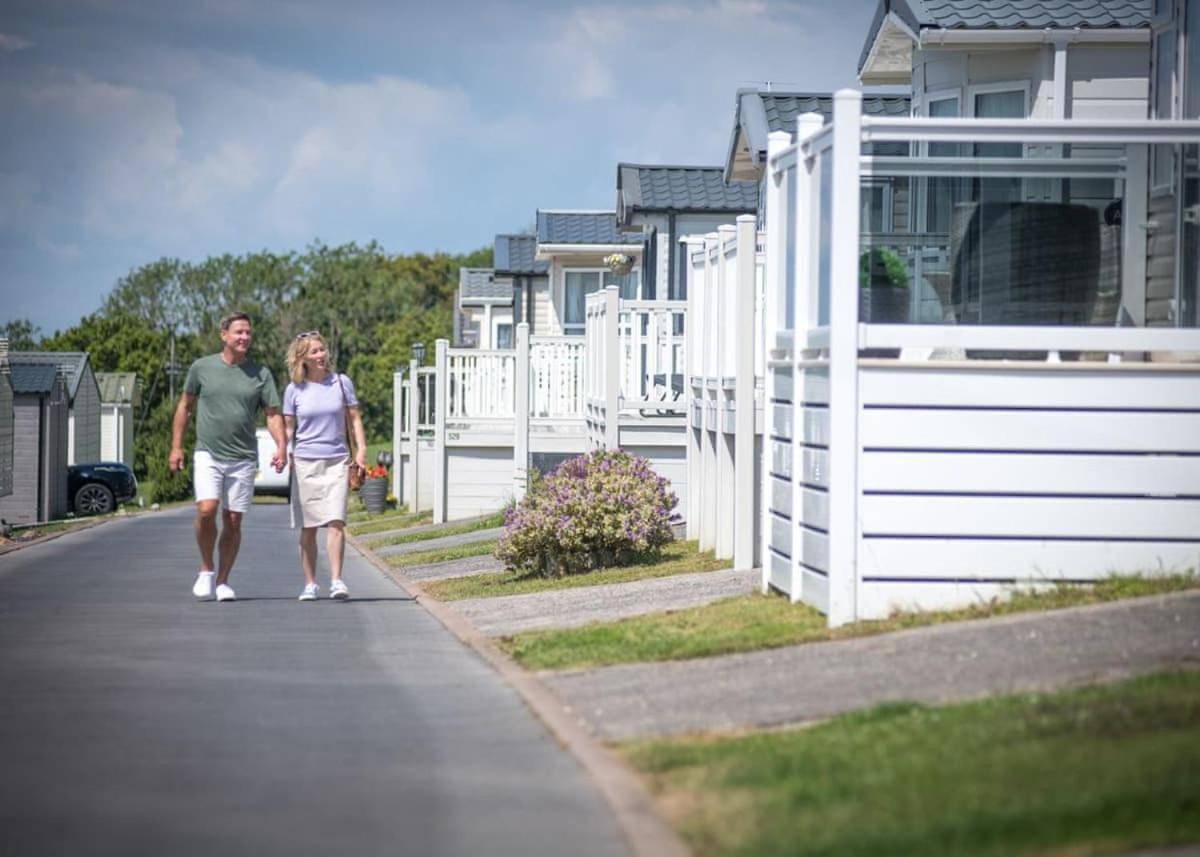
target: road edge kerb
648 833
49 537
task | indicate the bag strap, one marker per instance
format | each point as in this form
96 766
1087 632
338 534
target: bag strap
350 440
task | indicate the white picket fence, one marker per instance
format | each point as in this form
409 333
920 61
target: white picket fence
556 377
724 390
921 466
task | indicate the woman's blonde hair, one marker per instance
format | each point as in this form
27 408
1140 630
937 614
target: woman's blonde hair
298 350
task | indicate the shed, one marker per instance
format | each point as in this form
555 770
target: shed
83 429
40 417
120 396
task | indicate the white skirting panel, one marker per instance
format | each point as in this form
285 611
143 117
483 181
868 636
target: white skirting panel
479 480
427 461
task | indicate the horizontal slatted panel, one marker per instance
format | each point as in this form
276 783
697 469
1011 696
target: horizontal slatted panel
814 467
1029 430
779 572
1029 517
781 383
781 458
814 509
781 421
781 496
814 550
997 388
922 559
814 386
814 590
781 535
1010 473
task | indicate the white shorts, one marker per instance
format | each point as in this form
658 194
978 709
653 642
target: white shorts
231 482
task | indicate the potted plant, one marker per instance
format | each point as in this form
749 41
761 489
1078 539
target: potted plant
375 489
883 279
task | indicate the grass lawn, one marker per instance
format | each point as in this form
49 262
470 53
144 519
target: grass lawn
1099 770
487 523
388 521
763 622
429 557
677 558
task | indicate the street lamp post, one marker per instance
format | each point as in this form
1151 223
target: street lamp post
418 352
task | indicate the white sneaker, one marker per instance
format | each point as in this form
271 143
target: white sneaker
309 593
338 590
203 587
225 592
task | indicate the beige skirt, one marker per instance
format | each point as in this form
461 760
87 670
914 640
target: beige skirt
319 491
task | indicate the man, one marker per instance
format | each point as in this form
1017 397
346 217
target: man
225 390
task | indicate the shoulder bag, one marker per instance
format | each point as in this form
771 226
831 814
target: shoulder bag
357 476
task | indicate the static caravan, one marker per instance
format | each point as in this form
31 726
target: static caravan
484 311
6 422
665 203
40 417
515 259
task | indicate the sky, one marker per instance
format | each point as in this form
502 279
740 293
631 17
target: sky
133 131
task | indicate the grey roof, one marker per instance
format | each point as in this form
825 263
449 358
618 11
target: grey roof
118 387
481 283
1008 15
73 364
517 254
760 113
642 187
31 377
582 227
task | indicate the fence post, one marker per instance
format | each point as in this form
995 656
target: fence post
612 369
399 420
414 446
805 252
521 415
743 341
1134 237
441 406
843 357
695 403
709 436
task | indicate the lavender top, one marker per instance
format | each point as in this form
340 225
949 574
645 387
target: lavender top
320 423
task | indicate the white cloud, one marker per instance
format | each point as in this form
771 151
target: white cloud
10 43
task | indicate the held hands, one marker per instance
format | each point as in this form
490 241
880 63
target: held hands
280 459
175 460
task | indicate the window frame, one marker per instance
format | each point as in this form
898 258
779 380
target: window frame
1165 34
578 328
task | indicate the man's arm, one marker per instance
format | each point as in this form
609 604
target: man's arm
183 412
275 426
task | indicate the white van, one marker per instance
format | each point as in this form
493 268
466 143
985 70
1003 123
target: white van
266 480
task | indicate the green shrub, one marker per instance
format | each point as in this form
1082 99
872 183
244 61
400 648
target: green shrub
882 267
595 511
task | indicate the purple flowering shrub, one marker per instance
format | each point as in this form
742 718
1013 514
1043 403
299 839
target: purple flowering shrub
601 509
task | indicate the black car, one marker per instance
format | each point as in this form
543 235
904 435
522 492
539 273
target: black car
97 488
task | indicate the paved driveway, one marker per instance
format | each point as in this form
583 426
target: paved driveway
135 720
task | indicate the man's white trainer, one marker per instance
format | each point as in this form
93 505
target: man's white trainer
203 587
225 592
338 591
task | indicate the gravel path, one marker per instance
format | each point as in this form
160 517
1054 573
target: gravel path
963 660
440 542
454 568
568 608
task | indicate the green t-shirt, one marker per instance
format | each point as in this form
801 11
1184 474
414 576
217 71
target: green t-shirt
228 398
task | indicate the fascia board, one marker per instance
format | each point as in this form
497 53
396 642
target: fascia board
1049 35
546 251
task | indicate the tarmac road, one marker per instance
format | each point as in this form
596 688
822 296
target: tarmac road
136 720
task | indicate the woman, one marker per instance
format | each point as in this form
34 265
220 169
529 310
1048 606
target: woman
317 405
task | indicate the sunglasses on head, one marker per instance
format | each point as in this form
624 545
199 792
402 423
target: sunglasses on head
307 334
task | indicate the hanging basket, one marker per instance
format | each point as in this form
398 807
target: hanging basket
374 495
619 263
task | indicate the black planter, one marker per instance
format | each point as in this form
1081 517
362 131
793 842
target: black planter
374 495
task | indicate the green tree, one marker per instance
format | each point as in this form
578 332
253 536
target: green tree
21 333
